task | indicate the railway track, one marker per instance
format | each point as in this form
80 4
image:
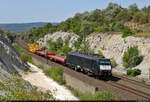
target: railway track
134 90
133 81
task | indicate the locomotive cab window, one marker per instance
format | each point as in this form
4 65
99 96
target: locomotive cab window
105 65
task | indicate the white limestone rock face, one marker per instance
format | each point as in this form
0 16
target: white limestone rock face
113 45
9 59
64 35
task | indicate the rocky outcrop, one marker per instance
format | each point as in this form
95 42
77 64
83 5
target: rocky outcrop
64 35
10 62
113 45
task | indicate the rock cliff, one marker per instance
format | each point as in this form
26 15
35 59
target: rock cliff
10 62
64 35
112 45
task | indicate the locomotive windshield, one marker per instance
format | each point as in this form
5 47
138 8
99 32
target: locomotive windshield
104 62
105 65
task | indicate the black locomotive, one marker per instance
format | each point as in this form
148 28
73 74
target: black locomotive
91 64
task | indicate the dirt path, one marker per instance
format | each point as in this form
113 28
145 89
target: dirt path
39 79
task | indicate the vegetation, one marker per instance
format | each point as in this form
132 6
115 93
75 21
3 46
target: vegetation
126 32
100 53
16 88
24 55
65 49
99 95
59 46
132 57
85 47
133 72
77 44
113 62
56 73
111 19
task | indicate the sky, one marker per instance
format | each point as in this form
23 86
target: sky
25 11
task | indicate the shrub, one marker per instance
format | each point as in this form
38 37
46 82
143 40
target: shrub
126 32
56 73
24 57
131 57
113 62
65 49
18 49
77 44
100 53
16 88
133 72
99 95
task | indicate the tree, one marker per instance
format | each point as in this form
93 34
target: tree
123 15
85 47
48 25
140 18
132 57
59 43
126 32
77 44
65 49
133 8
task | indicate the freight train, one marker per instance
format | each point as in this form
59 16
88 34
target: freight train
90 64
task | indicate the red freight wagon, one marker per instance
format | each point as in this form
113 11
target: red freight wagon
40 52
57 58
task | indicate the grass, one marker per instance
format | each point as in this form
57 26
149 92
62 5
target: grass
145 35
18 89
25 56
99 95
56 73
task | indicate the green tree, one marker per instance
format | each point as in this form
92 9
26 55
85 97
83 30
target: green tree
59 43
86 47
132 57
140 18
133 9
77 44
65 49
123 16
126 32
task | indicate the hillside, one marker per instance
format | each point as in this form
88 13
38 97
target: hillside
111 32
22 27
113 18
111 45
7 53
12 85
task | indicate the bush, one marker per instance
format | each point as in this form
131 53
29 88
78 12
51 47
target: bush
65 49
113 62
56 73
100 53
18 49
131 57
16 88
24 57
99 95
126 32
133 72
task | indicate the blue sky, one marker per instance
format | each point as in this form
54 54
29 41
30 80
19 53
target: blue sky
22 11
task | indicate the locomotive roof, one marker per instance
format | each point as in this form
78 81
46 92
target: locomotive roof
87 56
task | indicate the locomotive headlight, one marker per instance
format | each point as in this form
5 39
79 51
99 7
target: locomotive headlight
105 67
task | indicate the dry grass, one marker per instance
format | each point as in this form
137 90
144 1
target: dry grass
145 35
